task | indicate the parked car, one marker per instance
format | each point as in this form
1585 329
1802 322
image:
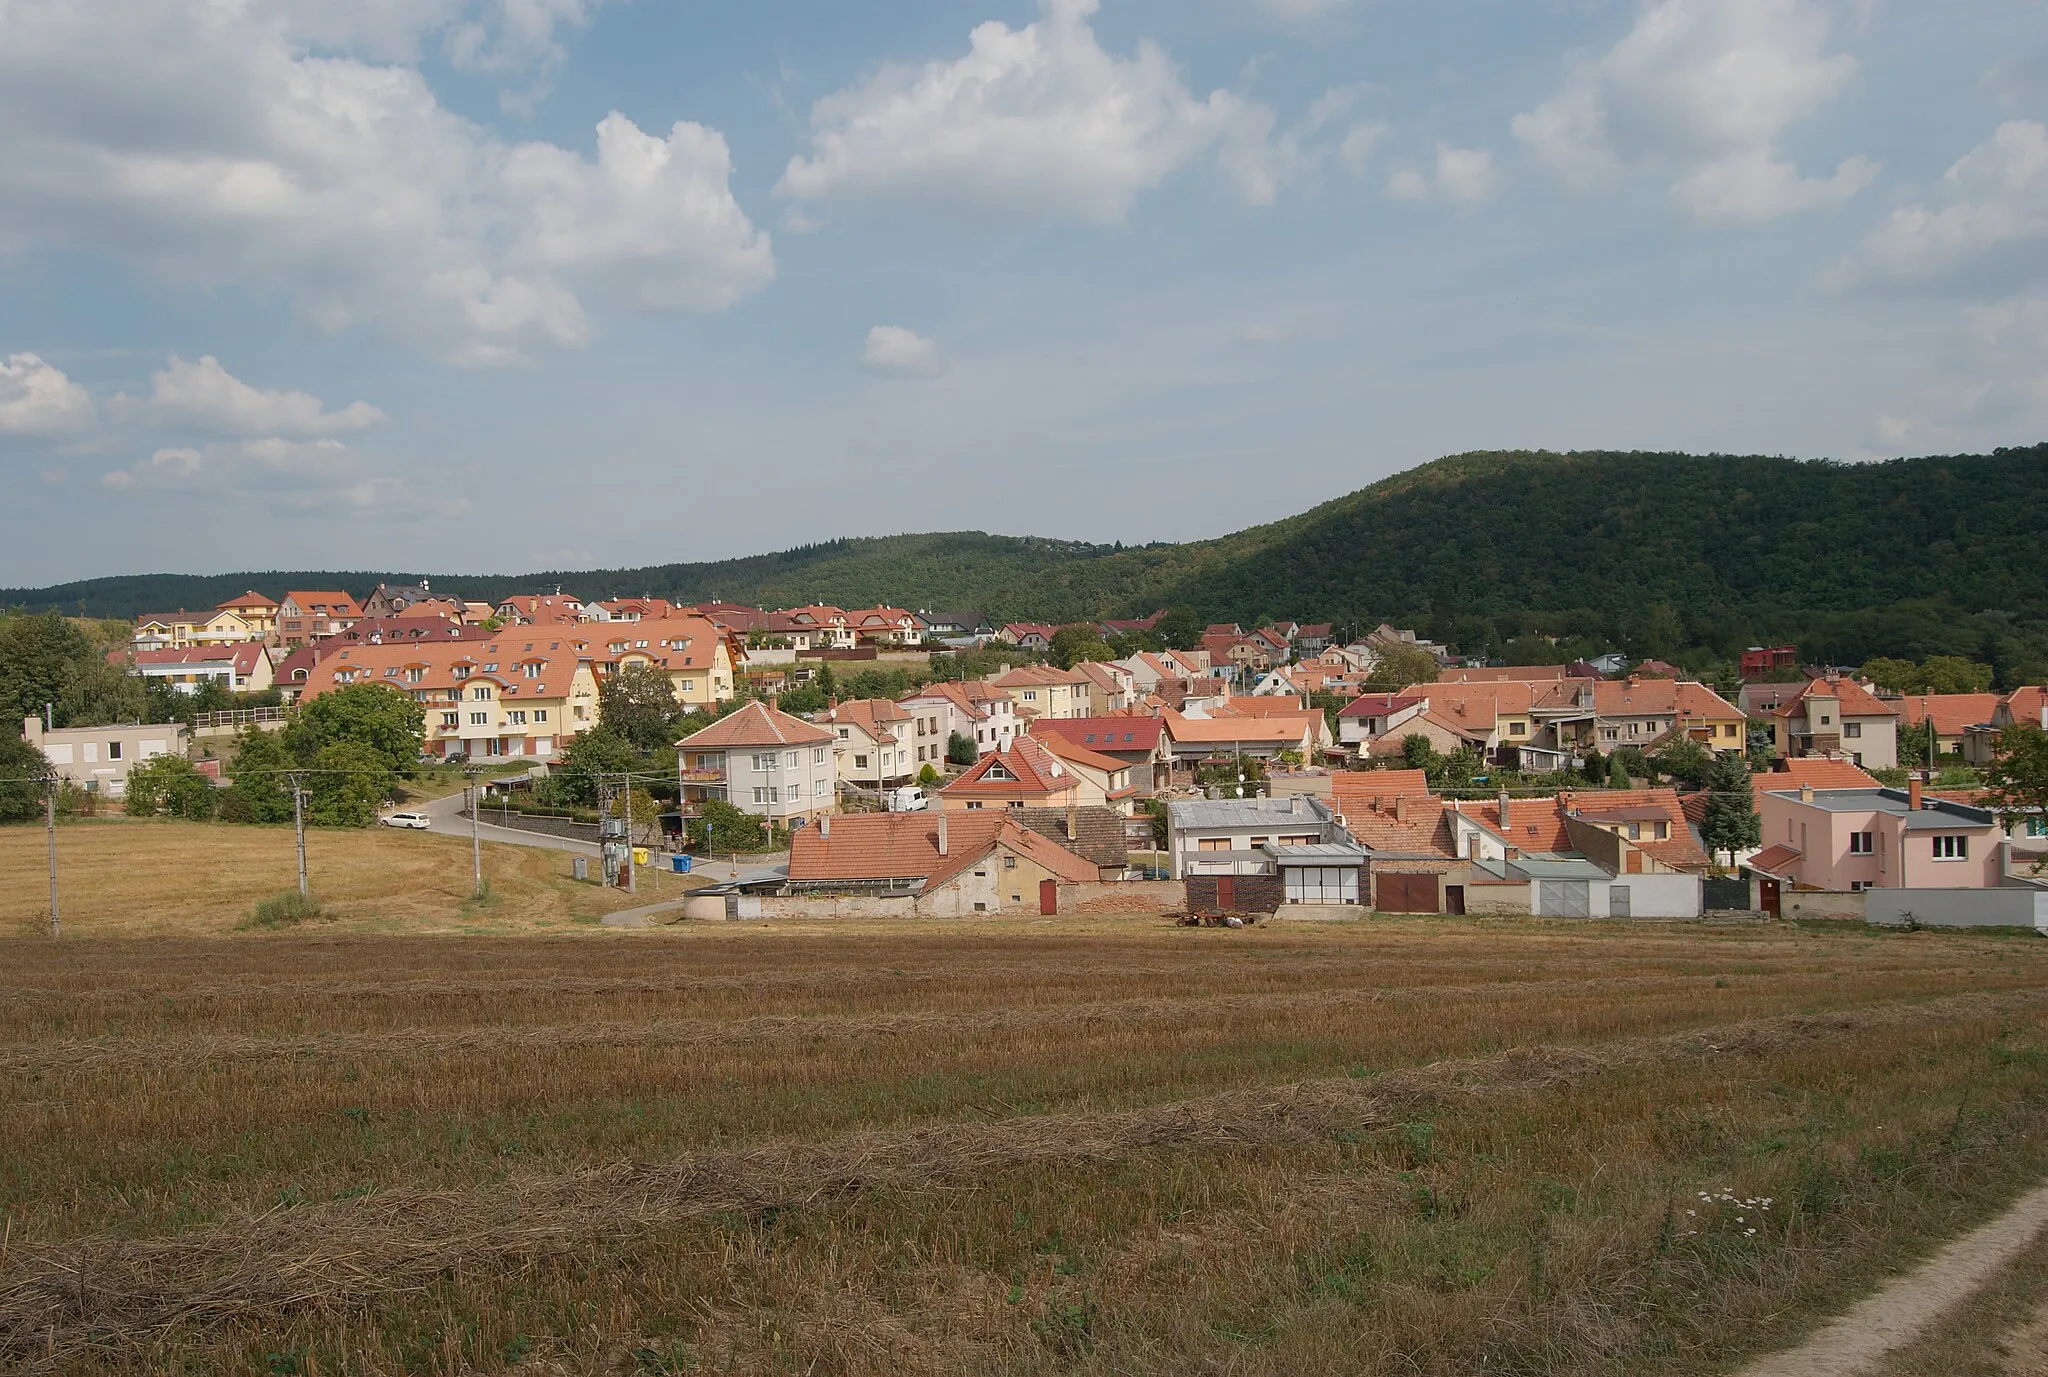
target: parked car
419 821
909 799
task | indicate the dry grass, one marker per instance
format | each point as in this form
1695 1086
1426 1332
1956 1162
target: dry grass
1017 1148
2002 1331
122 877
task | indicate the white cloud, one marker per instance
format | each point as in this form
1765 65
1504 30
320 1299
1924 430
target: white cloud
1037 122
279 475
37 399
516 37
1360 142
257 146
1983 228
894 352
1302 11
206 397
1461 177
1702 90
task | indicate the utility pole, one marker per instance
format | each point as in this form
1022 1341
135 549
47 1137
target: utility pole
50 815
632 871
299 826
476 846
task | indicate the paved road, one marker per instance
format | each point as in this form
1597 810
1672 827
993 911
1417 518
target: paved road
446 814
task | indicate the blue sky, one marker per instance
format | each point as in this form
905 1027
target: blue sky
491 285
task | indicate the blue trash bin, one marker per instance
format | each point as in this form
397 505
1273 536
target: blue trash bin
681 864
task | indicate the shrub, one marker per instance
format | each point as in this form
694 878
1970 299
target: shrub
172 785
287 908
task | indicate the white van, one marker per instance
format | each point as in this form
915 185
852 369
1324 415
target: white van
909 799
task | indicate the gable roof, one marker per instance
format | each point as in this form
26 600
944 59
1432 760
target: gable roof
1951 712
1025 766
1360 789
450 665
249 601
1039 676
1072 753
755 724
1495 674
873 716
1283 731
1538 824
975 697
1417 827
1679 698
1111 735
336 604
1853 699
670 643
242 654
1815 771
1378 704
2025 706
905 846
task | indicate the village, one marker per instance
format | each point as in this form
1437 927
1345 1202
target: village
1280 770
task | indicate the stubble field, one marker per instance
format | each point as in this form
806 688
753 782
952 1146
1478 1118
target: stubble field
1397 1147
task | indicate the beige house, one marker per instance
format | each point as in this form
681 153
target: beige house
1045 691
1837 716
525 693
694 653
304 617
874 739
97 759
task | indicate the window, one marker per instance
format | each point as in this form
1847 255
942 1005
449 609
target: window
481 693
540 714
1951 848
860 762
1518 728
760 795
1825 719
774 794
818 789
792 759
1610 733
1858 886
479 719
1009 862
1031 695
1663 831
818 755
1852 729
1213 844
1861 844
842 734
2037 827
517 719
451 719
689 686
113 750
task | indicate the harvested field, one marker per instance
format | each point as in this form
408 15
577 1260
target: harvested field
159 877
1006 1147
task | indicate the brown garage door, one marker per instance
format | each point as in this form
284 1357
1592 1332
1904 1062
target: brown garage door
1405 893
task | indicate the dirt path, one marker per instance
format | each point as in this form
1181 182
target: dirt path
1906 1305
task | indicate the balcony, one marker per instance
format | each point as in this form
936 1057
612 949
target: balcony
701 776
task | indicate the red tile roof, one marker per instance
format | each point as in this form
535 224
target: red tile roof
755 724
1124 735
1814 771
1075 754
1494 674
1360 789
1379 704
1854 700
1773 859
874 716
1024 767
243 654
437 664
905 846
1952 712
1538 824
2025 705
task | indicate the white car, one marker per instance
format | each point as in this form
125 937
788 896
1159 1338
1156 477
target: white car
418 820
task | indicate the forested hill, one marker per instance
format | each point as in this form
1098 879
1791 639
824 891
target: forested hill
1659 553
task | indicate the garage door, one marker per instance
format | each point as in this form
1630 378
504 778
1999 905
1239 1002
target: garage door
1405 893
1564 898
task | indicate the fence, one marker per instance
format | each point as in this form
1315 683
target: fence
234 719
1959 908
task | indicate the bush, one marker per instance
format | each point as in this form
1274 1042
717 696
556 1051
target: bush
170 785
285 909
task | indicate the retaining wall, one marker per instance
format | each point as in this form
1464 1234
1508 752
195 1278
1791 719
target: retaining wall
1133 896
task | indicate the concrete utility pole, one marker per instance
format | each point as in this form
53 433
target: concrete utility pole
299 826
632 871
476 846
50 816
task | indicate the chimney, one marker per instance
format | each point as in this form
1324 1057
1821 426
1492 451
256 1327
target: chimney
942 831
1913 791
1073 806
1504 820
1513 853
1400 808
1806 795
825 829
1294 803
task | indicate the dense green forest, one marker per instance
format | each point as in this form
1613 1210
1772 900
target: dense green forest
1681 556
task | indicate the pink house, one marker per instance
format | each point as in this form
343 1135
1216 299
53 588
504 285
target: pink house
1856 839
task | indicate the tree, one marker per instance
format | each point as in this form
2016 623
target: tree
600 751
1179 629
1954 674
1917 743
2016 782
1418 754
381 719
1731 823
639 703
259 790
1399 666
722 827
22 767
961 750
1532 650
349 782
1460 766
1684 759
171 785
39 658
929 776
100 693
1073 645
1900 676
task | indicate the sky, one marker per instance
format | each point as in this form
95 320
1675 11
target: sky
504 285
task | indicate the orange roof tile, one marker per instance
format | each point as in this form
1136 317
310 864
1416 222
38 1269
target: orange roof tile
1816 772
755 724
1951 712
1025 766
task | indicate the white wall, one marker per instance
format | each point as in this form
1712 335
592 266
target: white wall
1659 896
1959 908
